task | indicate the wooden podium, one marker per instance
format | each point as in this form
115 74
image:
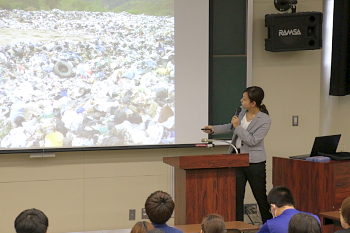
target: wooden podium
205 184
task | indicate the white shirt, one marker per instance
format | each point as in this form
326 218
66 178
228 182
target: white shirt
244 124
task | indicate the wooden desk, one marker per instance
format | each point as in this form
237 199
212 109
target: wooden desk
191 228
330 221
316 187
330 218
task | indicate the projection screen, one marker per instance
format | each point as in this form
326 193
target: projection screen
115 78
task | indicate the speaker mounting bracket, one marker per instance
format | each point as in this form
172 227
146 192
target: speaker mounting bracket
284 5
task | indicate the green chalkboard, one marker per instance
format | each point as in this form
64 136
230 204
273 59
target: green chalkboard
228 60
229 27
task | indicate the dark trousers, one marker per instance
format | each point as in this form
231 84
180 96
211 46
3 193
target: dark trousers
255 174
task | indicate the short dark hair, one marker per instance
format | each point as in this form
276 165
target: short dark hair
31 220
345 210
159 207
213 223
304 223
281 196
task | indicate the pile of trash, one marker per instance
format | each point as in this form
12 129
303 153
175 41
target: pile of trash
114 89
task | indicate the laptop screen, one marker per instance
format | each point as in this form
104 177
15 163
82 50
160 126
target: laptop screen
325 144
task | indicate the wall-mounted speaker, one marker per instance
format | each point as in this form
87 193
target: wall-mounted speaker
294 31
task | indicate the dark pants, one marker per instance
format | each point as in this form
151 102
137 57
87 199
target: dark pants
256 176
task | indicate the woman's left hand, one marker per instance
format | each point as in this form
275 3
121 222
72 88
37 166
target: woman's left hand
235 121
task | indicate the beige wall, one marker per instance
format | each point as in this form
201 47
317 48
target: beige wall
85 190
291 81
94 190
344 123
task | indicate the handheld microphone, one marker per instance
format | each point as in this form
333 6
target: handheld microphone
212 140
238 111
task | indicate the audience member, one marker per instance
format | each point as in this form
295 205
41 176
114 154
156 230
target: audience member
159 208
345 216
304 223
282 204
213 223
31 221
142 227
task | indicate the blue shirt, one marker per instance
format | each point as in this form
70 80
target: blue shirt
280 223
166 228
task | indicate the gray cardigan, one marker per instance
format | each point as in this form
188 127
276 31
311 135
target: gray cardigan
252 137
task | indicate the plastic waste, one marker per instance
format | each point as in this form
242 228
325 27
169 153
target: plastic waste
32 109
54 139
17 110
165 113
48 112
103 129
72 120
18 138
80 110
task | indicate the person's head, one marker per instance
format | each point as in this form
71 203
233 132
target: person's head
345 213
213 223
31 221
279 197
304 223
252 98
159 207
142 227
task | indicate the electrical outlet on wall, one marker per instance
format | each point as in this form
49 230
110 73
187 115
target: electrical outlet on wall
295 121
144 214
132 214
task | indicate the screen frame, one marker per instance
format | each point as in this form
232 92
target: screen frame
249 36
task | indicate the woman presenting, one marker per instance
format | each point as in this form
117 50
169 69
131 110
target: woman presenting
249 129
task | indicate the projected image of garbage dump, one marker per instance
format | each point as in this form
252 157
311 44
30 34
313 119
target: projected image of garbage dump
77 73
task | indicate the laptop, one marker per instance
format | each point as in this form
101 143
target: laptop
322 145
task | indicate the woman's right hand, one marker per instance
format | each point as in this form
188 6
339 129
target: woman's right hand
208 129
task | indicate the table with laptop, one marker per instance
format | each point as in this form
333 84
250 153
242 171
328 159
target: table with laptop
324 149
318 183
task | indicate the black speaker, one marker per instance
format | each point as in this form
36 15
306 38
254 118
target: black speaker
294 31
